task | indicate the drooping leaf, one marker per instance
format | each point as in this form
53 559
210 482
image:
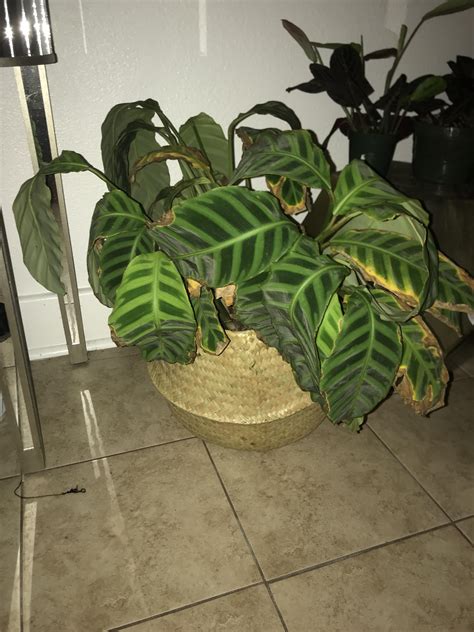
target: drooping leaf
69 162
116 212
205 134
428 88
290 154
297 294
451 6
313 86
334 45
116 141
226 235
455 287
424 375
93 270
363 364
152 311
388 259
293 196
116 253
300 36
213 338
189 155
39 234
330 328
251 311
272 108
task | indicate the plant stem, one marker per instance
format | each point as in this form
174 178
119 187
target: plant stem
398 58
334 225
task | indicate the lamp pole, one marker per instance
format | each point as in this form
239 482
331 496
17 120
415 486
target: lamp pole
26 43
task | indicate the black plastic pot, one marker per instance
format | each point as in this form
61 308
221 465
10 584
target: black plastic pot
443 154
376 149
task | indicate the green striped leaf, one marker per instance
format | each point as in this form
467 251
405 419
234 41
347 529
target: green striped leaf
205 134
423 374
297 294
359 188
330 328
153 312
251 311
387 259
448 317
39 234
115 255
167 196
116 212
93 270
363 364
226 235
212 336
455 287
290 154
292 195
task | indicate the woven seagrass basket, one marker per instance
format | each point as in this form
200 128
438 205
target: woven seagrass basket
246 398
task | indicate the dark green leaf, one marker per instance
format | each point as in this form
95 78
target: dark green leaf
363 364
381 53
116 212
153 312
205 134
226 235
451 6
39 234
213 338
302 39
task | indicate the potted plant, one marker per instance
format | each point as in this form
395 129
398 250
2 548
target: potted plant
443 141
373 127
207 276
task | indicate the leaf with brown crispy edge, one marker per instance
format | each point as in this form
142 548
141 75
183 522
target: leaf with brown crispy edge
455 287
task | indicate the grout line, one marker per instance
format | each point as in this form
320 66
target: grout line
397 458
186 607
349 556
456 524
9 477
108 456
247 541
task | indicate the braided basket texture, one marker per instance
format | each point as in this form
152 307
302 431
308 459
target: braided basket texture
246 398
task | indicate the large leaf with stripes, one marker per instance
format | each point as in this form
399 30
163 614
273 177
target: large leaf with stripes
202 131
251 310
115 255
388 259
293 196
226 235
153 312
116 212
93 270
291 154
363 364
359 188
39 234
297 294
330 328
212 336
423 375
455 287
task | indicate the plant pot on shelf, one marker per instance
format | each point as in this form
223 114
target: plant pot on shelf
443 154
375 149
246 398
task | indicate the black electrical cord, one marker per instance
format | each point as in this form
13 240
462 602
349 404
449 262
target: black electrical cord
73 490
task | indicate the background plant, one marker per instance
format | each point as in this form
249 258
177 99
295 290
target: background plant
344 79
180 263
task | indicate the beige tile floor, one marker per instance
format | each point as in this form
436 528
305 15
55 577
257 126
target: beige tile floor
338 532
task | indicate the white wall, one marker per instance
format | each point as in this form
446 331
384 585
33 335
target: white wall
221 57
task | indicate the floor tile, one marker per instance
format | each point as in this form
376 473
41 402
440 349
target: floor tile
9 557
101 408
467 527
423 584
438 450
328 495
462 358
9 460
153 532
249 610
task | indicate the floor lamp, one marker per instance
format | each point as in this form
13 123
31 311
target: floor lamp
26 43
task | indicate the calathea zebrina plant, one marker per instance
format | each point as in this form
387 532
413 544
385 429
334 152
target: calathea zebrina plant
180 264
